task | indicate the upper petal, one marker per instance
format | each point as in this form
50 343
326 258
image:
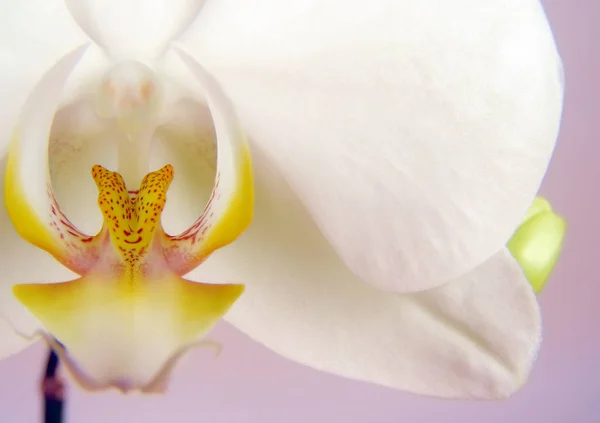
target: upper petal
134 29
33 35
415 133
475 337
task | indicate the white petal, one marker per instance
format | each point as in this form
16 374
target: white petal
135 29
34 34
416 133
475 337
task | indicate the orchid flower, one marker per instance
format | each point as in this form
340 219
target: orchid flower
343 178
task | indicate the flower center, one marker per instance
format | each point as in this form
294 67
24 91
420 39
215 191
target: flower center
130 314
132 218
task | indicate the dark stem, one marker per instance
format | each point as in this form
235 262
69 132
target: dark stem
53 391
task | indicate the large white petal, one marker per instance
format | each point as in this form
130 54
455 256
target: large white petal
475 337
134 29
416 133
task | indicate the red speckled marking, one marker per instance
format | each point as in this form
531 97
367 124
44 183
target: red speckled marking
132 221
183 251
80 250
204 222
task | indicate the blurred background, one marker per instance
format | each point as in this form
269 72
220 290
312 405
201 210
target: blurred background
248 383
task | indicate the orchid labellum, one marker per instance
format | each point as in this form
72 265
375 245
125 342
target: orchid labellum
337 179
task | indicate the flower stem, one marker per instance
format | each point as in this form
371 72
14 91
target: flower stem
53 391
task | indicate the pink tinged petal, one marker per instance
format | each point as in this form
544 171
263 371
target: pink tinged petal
417 148
134 29
475 337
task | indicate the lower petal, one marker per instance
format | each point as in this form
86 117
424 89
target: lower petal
475 337
123 335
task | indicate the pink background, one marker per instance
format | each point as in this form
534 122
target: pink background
251 384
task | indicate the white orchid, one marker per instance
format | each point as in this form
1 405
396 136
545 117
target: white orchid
381 154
